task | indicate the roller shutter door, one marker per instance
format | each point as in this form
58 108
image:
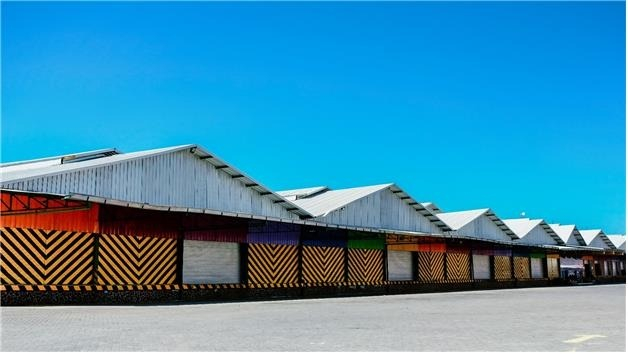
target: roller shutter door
210 262
399 265
552 268
481 267
537 267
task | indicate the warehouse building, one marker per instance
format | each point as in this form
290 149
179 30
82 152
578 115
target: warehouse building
181 223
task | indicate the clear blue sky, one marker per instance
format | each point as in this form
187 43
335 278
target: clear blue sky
512 106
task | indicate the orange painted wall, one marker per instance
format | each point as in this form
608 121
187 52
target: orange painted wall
84 220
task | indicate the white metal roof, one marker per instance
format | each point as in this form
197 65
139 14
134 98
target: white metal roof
458 219
522 227
590 235
322 203
618 240
431 206
293 194
566 231
19 171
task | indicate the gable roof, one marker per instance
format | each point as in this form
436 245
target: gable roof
566 231
618 240
458 219
294 194
432 207
26 170
322 203
522 227
590 235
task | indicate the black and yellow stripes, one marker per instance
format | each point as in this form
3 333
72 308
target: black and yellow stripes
34 256
323 264
431 266
458 266
273 264
502 268
136 260
366 265
522 267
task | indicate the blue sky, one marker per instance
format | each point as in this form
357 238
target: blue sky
513 106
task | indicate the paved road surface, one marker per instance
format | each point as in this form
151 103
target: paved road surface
588 318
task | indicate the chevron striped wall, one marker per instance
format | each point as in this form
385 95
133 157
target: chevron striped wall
35 256
431 266
458 266
272 264
522 267
502 267
323 264
136 260
366 265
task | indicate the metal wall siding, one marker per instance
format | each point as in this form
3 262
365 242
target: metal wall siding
76 220
167 179
382 209
483 227
481 267
538 236
536 264
237 235
270 232
536 255
399 265
502 252
210 262
324 237
432 247
366 244
410 247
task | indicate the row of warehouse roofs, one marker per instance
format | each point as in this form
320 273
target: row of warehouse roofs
189 178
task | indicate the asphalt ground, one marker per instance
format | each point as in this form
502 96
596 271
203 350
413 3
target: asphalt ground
580 318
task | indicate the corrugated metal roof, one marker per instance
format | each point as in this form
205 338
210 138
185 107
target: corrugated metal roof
54 166
618 240
431 206
566 231
57 160
458 219
522 227
293 194
323 203
590 235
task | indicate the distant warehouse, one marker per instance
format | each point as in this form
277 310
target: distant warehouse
180 223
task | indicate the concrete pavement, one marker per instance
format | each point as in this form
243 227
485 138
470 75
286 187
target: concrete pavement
587 318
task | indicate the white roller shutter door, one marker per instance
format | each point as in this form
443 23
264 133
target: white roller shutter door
537 267
399 265
207 262
481 267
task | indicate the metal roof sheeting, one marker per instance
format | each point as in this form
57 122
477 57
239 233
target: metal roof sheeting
523 226
458 219
618 240
293 194
597 238
323 203
569 234
17 173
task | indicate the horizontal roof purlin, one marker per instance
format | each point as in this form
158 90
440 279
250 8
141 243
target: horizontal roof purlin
115 202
